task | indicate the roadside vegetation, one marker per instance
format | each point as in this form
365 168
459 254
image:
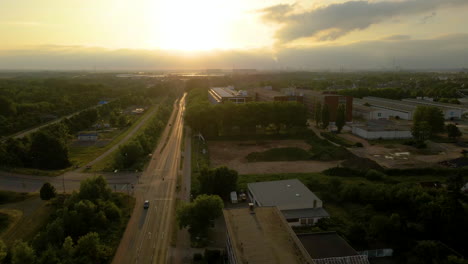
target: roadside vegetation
84 227
48 148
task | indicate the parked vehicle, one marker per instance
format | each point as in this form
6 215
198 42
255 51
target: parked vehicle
146 204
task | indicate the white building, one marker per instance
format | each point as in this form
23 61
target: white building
381 129
298 204
451 111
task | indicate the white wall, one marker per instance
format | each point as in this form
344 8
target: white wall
381 134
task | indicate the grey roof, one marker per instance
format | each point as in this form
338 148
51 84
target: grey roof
285 194
305 213
387 104
326 245
439 104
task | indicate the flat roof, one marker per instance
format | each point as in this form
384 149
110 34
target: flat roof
285 194
267 92
263 237
386 104
303 213
227 92
407 103
362 108
444 105
326 245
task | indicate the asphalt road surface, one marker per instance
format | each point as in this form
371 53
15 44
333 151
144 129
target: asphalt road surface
147 236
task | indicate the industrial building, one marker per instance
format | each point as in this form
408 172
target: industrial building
369 113
331 99
391 108
381 129
405 109
298 204
219 95
261 235
451 111
267 94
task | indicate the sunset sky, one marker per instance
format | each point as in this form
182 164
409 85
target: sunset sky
240 33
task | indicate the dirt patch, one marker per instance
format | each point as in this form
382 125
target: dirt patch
232 154
402 156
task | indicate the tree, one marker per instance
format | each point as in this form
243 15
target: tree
220 181
7 107
421 131
94 188
198 214
318 113
90 250
47 191
129 154
453 131
433 117
48 151
340 117
22 253
325 116
3 251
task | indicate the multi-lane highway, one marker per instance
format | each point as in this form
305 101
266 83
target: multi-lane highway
147 236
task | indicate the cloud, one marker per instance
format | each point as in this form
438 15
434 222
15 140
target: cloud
427 18
444 52
336 20
397 37
20 23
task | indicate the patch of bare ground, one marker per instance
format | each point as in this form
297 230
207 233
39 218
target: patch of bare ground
232 154
402 156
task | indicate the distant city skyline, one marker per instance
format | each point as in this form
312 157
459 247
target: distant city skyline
147 34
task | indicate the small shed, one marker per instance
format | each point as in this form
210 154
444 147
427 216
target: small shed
234 197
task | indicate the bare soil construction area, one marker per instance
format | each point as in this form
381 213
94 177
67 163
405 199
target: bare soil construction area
402 156
232 154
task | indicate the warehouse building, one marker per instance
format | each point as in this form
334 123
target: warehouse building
267 94
381 129
219 95
261 235
393 108
298 204
451 111
408 107
369 112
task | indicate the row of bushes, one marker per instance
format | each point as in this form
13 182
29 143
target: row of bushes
350 172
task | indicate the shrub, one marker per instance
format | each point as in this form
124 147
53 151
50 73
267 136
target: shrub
373 175
358 145
47 191
342 171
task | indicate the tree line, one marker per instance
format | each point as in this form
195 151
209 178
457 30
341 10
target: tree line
242 119
47 148
134 153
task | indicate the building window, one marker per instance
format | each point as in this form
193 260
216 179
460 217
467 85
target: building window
310 221
292 220
303 221
379 114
